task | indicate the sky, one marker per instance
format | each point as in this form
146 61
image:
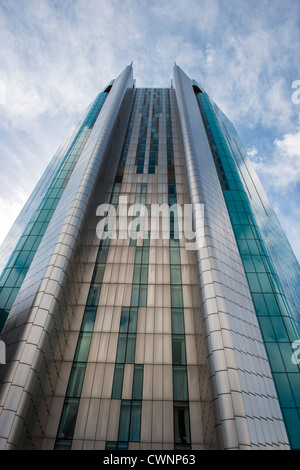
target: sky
56 55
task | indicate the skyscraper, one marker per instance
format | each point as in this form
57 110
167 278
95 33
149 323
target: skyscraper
149 297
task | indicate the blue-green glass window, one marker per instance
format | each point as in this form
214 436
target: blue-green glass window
178 349
176 296
68 418
124 319
279 328
180 386
275 357
124 423
121 351
285 351
284 390
135 295
143 296
181 424
177 320
271 304
130 349
110 445
264 282
174 256
137 387
292 420
267 328
76 380
83 347
175 274
132 320
118 381
89 319
294 379
135 421
99 273
102 254
94 294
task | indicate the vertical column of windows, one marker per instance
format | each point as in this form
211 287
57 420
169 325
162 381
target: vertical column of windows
169 129
20 260
276 322
129 130
156 110
130 410
182 439
141 149
72 398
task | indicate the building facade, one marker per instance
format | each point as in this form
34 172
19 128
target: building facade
121 329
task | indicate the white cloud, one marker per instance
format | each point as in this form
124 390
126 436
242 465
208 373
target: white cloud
282 171
56 56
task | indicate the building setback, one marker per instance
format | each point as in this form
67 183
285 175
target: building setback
139 342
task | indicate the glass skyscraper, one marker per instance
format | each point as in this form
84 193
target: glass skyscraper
124 333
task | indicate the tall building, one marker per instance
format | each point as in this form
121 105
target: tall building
123 330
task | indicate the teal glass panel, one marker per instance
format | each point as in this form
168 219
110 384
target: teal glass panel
181 425
279 328
89 319
178 350
176 296
180 386
267 328
99 273
111 445
143 296
118 381
177 321
293 425
137 388
136 275
294 379
63 444
175 275
124 423
76 380
284 389
133 320
130 348
68 418
135 421
83 347
94 295
121 351
135 295
174 256
124 320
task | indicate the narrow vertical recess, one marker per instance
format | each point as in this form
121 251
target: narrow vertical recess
182 437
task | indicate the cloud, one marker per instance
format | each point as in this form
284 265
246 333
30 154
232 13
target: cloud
282 171
56 56
280 176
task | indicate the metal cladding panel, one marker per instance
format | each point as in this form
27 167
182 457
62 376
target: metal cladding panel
236 351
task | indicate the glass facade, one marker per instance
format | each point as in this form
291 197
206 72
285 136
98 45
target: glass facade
19 262
278 322
128 341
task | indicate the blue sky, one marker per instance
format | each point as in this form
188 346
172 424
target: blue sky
57 55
